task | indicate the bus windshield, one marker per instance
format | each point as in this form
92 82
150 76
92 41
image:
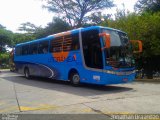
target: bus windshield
120 52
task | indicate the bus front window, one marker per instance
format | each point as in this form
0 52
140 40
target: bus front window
120 52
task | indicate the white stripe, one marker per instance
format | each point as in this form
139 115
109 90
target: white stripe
49 69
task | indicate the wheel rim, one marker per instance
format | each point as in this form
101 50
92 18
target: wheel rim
75 79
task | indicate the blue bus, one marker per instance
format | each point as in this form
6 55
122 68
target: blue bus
94 55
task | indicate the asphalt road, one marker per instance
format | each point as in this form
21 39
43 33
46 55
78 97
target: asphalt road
20 95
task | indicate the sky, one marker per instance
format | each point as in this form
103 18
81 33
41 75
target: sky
15 12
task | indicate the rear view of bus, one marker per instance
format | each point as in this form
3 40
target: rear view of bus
94 55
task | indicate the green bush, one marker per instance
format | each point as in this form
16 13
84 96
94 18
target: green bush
4 60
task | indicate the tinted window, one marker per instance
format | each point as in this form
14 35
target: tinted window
56 44
65 43
43 47
25 49
115 38
92 49
18 50
33 48
75 42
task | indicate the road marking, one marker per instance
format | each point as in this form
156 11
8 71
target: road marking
9 109
40 107
87 110
122 113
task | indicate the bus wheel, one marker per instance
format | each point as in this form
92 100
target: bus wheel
75 79
26 73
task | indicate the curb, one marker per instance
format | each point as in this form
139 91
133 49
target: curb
148 80
1 70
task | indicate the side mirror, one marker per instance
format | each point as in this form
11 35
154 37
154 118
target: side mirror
107 39
139 43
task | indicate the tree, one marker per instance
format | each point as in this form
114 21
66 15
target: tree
6 38
97 18
29 28
30 32
4 60
148 5
2 27
22 37
75 11
121 13
56 26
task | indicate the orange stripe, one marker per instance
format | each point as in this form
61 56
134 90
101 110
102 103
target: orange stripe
60 56
62 34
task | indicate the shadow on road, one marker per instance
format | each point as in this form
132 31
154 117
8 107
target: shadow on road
64 86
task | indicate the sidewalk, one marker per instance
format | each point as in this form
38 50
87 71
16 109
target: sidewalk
4 70
148 80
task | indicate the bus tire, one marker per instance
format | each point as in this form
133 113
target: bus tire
26 73
75 79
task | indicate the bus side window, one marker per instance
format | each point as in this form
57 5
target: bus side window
75 42
33 48
56 45
25 50
71 42
43 47
67 43
18 51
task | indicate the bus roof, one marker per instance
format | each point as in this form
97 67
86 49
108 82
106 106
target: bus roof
67 33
